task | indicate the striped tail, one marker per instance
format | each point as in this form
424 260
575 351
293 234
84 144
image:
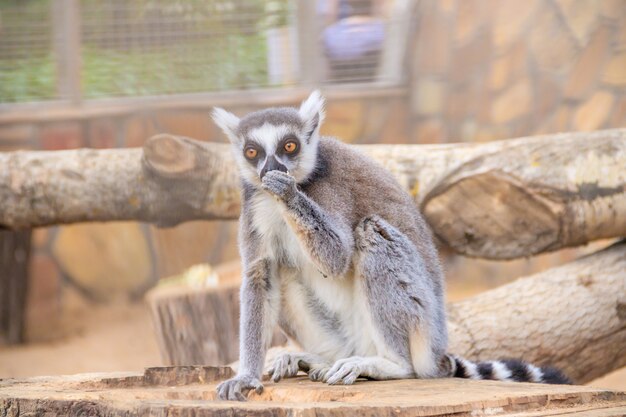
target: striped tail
508 370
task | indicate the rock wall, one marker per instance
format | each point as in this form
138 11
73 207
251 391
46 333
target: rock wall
484 70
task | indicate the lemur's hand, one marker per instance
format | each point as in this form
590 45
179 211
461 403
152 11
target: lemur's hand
237 388
280 184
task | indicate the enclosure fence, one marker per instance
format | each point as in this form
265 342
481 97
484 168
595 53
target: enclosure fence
74 50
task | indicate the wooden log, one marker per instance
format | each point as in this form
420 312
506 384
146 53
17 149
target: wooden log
199 325
520 197
190 392
171 180
14 260
496 200
572 317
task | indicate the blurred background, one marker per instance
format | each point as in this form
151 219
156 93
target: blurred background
110 74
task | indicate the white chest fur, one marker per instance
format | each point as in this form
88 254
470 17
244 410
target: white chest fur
341 296
279 240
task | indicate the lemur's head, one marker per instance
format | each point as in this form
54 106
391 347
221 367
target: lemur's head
283 139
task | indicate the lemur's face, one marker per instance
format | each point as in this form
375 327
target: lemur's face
283 139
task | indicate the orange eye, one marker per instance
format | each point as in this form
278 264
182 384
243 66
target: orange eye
251 153
290 147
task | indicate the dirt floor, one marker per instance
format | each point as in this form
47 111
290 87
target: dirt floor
101 339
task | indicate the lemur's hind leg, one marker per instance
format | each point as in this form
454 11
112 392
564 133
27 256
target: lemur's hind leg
401 304
288 364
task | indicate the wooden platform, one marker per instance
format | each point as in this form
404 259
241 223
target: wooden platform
190 392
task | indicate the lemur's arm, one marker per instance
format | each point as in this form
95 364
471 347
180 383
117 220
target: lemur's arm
328 240
259 296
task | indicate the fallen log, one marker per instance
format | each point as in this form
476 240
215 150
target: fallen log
190 391
572 317
498 200
170 180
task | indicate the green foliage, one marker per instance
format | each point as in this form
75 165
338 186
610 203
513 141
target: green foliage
230 51
29 79
235 62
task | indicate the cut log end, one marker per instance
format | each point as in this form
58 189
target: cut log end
169 156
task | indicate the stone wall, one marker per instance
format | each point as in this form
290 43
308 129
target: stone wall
478 71
485 70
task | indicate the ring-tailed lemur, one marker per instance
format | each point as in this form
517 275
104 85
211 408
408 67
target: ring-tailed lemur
336 253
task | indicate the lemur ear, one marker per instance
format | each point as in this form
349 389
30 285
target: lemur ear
312 113
228 122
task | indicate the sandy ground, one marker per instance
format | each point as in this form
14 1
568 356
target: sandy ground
105 338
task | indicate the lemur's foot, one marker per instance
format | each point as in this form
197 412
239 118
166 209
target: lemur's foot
346 371
318 373
285 366
237 388
288 364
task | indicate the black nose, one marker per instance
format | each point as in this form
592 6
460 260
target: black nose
272 164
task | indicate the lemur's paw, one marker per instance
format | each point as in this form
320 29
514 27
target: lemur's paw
280 184
345 371
318 373
237 388
285 366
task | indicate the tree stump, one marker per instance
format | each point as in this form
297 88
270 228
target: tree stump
14 257
199 326
190 391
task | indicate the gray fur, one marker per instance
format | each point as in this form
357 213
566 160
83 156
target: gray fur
273 116
391 269
342 232
322 314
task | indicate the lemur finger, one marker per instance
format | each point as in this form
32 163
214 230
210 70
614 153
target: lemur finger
342 373
278 374
351 377
293 367
318 374
231 394
336 366
258 388
221 391
278 174
277 369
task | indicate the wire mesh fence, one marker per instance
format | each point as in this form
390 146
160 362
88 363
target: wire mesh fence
27 70
162 47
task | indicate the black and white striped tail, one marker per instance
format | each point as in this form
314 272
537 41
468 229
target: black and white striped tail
508 370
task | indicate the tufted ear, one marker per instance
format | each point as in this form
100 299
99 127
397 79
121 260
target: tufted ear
312 113
228 122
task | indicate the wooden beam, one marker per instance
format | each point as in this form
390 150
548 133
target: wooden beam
14 261
67 48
